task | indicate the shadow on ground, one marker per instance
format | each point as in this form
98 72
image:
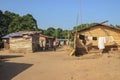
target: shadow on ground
58 49
9 70
9 56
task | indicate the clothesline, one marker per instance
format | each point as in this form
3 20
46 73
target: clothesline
101 40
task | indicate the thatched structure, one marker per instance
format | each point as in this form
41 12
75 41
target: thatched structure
95 32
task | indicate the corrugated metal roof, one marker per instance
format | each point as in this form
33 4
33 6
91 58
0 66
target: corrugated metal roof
12 35
20 34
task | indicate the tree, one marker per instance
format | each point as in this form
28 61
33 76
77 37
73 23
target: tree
11 22
59 33
50 32
29 23
79 27
118 26
65 34
3 24
23 23
15 25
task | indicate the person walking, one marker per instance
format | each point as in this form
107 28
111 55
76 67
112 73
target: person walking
54 45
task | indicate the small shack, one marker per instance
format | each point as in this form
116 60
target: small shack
63 41
98 38
23 41
6 41
46 42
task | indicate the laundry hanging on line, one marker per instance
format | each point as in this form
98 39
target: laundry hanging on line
111 39
101 41
87 38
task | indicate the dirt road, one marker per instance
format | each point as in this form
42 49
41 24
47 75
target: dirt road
59 66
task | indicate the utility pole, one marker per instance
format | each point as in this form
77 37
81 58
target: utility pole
76 34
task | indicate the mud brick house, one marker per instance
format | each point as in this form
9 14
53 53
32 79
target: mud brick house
23 41
98 38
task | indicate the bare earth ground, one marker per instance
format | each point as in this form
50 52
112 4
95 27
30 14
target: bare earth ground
59 66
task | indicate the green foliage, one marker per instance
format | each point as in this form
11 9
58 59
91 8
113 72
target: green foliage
79 27
4 21
56 33
12 22
26 22
50 31
59 34
118 26
64 34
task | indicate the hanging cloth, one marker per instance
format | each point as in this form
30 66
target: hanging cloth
101 43
86 38
111 39
106 39
90 37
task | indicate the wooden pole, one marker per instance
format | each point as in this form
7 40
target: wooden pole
75 36
68 37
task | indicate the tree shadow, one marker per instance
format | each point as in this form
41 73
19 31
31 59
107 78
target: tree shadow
9 56
9 70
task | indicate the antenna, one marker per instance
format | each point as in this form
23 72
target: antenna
104 22
81 12
77 21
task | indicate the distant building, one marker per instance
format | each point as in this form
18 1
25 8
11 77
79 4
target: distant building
63 41
46 42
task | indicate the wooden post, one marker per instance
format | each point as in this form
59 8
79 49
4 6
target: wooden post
68 37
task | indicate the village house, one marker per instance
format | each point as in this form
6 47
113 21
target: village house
23 41
46 42
98 38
